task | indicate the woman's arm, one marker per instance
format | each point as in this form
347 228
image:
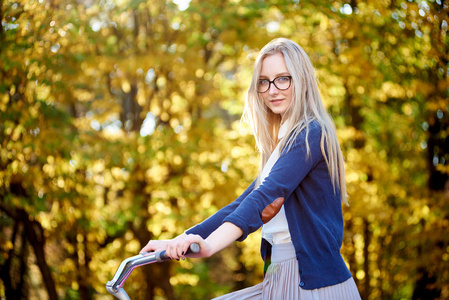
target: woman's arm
176 248
226 234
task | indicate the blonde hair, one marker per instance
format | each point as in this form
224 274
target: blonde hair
306 106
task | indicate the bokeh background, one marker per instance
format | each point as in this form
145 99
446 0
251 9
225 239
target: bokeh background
120 123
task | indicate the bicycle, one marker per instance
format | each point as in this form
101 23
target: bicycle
115 286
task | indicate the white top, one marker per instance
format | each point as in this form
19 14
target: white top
276 230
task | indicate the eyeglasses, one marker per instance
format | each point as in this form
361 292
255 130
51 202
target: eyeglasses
281 83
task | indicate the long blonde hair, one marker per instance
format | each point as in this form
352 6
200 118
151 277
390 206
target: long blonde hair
306 106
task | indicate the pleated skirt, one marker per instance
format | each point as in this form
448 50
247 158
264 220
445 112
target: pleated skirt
282 280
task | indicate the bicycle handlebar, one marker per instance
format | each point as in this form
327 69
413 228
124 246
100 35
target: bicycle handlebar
115 286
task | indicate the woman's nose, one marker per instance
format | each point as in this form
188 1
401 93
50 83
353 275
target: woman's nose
273 89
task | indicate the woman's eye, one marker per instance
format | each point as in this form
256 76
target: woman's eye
263 81
283 79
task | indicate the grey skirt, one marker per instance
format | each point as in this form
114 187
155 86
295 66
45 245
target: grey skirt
282 280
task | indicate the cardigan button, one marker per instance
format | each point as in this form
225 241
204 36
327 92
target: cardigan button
301 283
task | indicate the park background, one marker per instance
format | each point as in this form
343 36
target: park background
120 123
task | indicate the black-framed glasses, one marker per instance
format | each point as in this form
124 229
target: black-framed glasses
281 83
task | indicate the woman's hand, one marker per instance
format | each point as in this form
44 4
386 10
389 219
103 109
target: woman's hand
155 246
177 247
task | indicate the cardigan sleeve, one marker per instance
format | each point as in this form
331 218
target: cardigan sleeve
285 176
205 228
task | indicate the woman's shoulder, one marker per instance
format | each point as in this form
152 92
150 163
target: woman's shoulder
308 135
314 126
312 130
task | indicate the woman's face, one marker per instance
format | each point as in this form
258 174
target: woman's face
279 95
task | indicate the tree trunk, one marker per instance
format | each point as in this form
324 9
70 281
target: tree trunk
35 235
11 292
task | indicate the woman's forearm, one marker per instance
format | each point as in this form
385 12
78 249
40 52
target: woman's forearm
223 236
176 248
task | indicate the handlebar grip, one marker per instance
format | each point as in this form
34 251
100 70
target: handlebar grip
193 248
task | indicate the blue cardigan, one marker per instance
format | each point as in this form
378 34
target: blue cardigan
312 208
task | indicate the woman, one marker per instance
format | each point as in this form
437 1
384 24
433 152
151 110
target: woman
298 194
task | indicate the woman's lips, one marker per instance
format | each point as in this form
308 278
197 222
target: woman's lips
276 101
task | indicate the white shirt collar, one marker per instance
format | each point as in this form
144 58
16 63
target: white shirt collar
282 130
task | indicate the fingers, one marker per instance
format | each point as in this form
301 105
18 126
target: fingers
148 248
176 248
153 246
190 239
205 247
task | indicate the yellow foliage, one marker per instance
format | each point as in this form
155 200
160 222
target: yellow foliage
63 82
